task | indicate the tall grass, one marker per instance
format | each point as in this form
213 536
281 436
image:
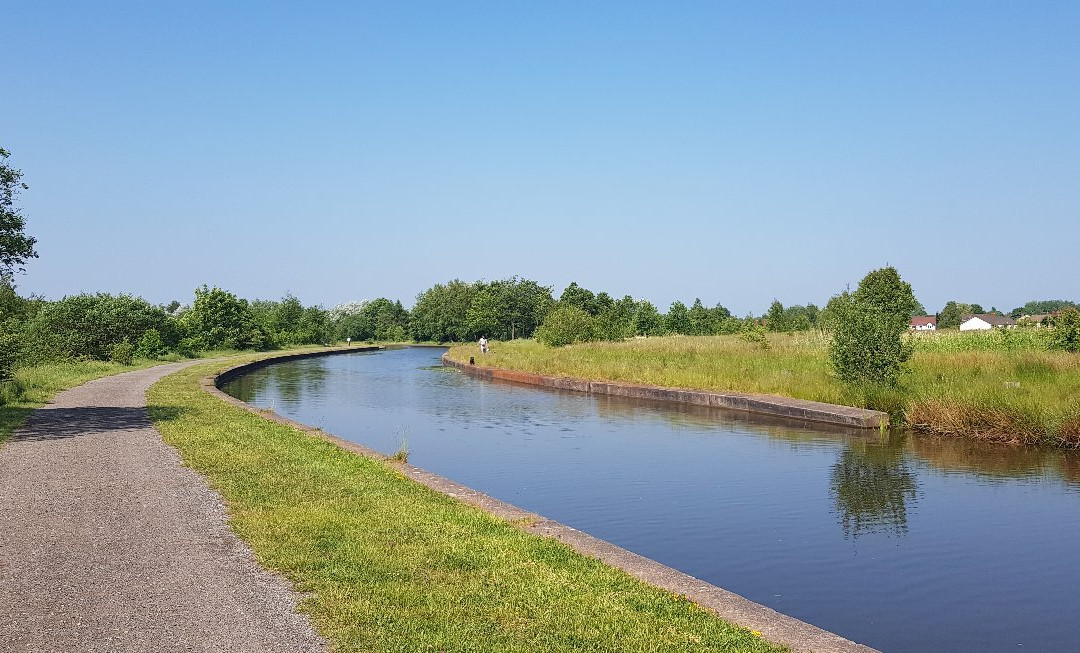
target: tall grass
1002 385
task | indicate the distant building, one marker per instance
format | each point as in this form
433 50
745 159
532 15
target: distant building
924 323
985 322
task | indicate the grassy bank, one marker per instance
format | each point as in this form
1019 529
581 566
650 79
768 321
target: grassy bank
1006 388
389 565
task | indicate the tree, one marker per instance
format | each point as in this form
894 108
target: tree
885 290
867 328
952 314
219 319
647 320
566 324
677 319
1066 334
774 319
15 246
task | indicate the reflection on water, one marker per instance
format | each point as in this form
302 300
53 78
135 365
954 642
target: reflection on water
906 543
872 486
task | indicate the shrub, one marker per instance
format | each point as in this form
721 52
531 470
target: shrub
566 324
88 326
151 345
122 352
189 347
1067 330
867 328
9 349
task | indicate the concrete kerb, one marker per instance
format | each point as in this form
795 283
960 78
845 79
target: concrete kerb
774 626
784 407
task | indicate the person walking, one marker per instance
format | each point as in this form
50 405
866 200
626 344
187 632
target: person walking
483 345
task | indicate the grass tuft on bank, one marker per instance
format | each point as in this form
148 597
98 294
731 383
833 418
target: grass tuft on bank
1004 387
389 565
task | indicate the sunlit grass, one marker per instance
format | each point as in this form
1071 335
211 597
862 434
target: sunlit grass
389 565
998 386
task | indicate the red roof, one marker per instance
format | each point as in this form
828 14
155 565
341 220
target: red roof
923 320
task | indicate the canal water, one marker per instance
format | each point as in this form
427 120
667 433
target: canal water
905 543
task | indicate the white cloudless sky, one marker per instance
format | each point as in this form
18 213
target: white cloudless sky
736 152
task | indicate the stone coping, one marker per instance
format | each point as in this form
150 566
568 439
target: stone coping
794 409
774 626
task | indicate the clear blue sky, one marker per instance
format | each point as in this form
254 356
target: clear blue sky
737 152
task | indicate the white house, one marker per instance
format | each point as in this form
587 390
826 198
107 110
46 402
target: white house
924 323
985 322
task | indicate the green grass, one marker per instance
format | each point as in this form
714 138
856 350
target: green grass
389 565
995 386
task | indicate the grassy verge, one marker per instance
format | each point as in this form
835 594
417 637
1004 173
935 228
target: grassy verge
1003 388
389 565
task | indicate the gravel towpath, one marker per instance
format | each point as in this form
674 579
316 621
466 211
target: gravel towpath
108 543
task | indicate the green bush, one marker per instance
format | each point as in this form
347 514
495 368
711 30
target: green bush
88 326
151 345
867 343
567 324
122 353
1067 330
189 347
9 349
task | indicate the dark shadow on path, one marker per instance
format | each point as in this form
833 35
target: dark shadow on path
61 423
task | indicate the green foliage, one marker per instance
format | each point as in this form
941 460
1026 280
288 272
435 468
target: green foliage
1066 332
9 351
15 246
88 326
380 319
677 319
885 291
754 333
441 312
774 319
647 320
189 347
566 324
952 315
122 353
1042 307
151 346
219 320
867 344
288 323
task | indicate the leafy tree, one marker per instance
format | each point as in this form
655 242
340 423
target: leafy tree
977 309
575 295
951 316
483 314
774 319
867 328
1066 334
441 312
219 319
15 246
647 320
1038 307
677 319
89 326
151 345
700 319
616 321
884 290
566 324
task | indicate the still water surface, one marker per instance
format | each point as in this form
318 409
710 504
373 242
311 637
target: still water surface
903 543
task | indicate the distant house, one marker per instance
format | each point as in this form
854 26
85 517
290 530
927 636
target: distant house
924 323
985 322
1039 319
